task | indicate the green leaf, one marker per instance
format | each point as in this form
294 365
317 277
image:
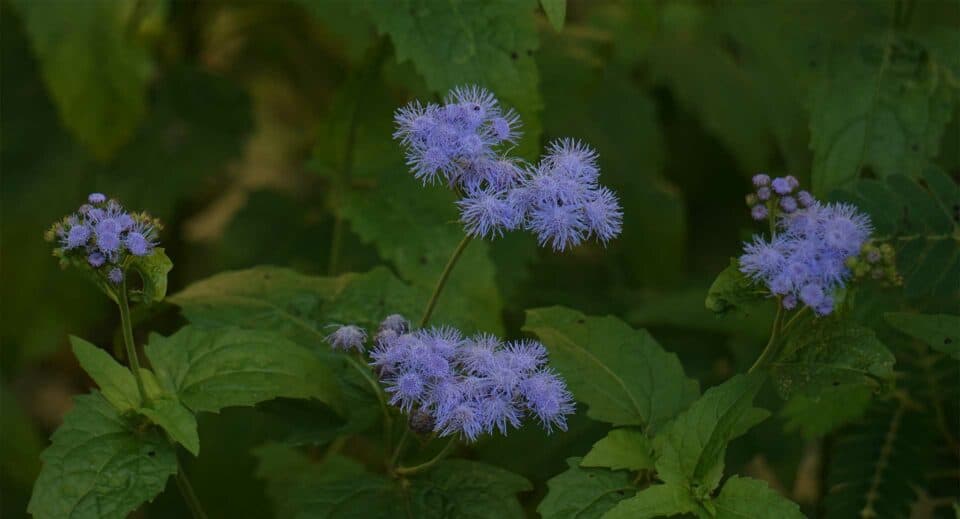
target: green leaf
116 382
656 501
339 487
179 422
733 293
941 331
690 450
100 466
460 43
879 105
622 374
95 70
556 11
745 498
829 353
212 369
816 415
584 493
153 270
624 448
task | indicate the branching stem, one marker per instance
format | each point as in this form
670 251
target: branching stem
770 350
127 326
407 471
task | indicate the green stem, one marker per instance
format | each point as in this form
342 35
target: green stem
399 450
443 279
407 471
127 326
186 490
770 350
794 318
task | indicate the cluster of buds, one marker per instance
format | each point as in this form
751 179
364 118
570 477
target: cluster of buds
876 262
102 236
779 195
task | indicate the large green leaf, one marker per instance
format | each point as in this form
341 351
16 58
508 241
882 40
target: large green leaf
212 369
624 448
179 422
339 487
691 448
94 68
745 498
622 374
916 214
879 105
584 493
815 415
100 466
829 353
657 501
941 332
456 43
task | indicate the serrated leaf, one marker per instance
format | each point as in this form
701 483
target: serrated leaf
690 449
116 382
746 498
212 369
817 415
95 71
179 422
733 293
99 466
556 11
622 374
829 353
584 493
624 448
455 43
941 331
656 501
879 105
153 270
340 487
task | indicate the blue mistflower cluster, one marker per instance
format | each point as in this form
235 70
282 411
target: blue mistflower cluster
464 143
807 259
467 386
103 235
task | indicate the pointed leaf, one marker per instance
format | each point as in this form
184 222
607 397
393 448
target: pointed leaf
212 369
556 11
98 465
622 374
584 493
656 501
732 293
116 382
691 448
179 422
745 498
624 448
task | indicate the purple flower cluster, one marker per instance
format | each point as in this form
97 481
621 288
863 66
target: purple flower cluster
104 235
468 386
559 199
778 195
807 260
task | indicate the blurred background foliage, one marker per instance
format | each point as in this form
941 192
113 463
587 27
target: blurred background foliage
259 131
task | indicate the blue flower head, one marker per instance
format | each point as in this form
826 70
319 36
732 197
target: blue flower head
470 386
103 236
487 213
347 337
805 262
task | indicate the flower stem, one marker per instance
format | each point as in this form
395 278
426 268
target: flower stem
127 326
399 450
443 279
186 490
770 350
407 471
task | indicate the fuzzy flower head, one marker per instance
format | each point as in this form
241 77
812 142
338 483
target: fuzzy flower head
469 386
810 256
347 338
455 141
103 236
